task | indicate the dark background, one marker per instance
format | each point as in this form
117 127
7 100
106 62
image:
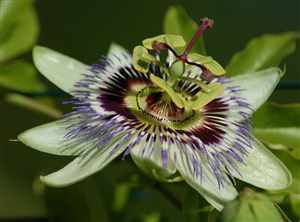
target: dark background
84 30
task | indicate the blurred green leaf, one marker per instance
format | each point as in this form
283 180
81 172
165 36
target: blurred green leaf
77 203
294 166
252 207
279 127
144 201
294 190
153 217
38 105
191 206
21 34
10 12
17 198
287 139
295 202
177 21
21 76
263 52
273 115
195 208
121 196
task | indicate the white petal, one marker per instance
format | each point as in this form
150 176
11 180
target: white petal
118 55
257 86
82 167
116 49
263 169
48 138
60 69
206 184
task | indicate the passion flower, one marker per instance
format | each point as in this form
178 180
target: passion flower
173 111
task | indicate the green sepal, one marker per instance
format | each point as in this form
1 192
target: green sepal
202 98
142 59
175 97
208 62
175 41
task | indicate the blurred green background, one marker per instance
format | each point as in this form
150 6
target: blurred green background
84 30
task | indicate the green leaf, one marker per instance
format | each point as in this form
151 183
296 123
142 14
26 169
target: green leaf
252 207
22 34
21 76
279 127
263 52
177 21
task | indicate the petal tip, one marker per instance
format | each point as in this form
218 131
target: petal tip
22 137
37 52
284 182
27 138
60 69
52 183
264 170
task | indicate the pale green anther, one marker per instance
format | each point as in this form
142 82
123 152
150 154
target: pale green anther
198 58
177 68
176 41
208 62
203 98
142 59
175 97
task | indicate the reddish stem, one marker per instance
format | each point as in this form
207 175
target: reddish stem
206 23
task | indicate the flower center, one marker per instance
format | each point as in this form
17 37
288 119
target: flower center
161 52
159 105
154 106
